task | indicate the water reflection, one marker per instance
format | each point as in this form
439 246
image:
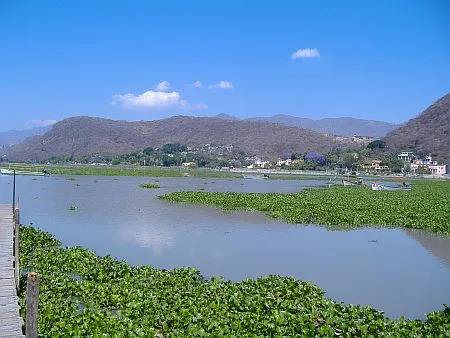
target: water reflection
146 237
435 244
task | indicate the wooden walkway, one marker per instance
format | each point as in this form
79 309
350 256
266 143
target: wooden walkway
10 320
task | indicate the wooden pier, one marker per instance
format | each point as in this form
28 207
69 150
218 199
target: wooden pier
10 321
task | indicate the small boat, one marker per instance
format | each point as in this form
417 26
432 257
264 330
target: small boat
348 183
377 186
22 172
252 177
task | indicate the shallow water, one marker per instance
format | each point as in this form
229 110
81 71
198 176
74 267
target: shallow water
400 272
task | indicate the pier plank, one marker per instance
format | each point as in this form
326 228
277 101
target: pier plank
10 321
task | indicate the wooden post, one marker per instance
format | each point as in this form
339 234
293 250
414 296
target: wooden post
16 246
14 191
32 305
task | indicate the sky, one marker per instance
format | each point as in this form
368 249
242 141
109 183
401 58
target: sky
146 60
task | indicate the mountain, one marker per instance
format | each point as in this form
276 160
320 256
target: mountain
16 136
427 133
345 126
78 136
226 117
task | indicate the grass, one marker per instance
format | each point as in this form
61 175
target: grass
426 206
84 295
136 171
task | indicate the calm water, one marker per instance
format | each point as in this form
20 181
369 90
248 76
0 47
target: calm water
400 272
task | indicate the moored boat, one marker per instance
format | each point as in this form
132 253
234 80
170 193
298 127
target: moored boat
348 183
377 186
22 172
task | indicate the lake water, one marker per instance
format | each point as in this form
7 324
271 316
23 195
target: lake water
400 272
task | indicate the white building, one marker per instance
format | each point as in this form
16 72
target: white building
406 156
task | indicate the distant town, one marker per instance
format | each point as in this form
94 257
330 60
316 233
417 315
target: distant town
370 158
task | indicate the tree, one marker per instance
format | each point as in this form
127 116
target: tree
296 156
318 158
377 144
148 151
173 148
349 160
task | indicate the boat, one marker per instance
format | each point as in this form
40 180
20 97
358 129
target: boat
23 172
348 183
377 186
352 181
252 177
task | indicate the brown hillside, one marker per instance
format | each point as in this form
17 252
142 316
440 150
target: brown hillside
427 133
79 136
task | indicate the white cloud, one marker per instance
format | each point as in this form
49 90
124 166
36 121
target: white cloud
305 53
40 123
163 86
196 84
146 237
150 99
199 106
156 100
222 85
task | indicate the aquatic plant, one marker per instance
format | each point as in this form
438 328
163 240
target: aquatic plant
426 206
136 171
149 186
82 294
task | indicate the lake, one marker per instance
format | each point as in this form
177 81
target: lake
398 271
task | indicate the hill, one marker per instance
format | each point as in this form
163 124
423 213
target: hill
427 133
226 117
345 126
78 136
16 136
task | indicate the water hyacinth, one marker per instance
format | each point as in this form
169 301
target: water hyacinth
82 294
426 206
149 186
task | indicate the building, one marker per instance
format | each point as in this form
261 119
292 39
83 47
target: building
406 156
362 139
375 166
281 162
437 169
428 165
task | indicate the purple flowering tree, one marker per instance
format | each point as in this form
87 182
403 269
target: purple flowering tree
315 157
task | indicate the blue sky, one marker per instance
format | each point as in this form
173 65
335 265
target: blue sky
145 60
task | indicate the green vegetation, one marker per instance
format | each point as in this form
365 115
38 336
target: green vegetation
136 171
84 295
426 206
377 144
149 186
170 154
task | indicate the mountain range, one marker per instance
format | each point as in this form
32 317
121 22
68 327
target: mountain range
11 137
345 126
79 136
